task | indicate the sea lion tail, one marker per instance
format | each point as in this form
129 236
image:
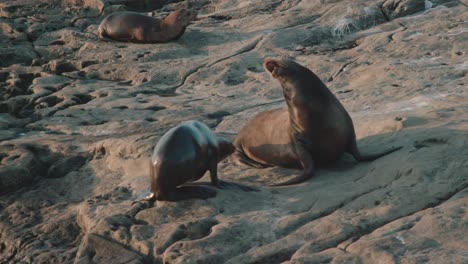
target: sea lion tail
301 178
370 157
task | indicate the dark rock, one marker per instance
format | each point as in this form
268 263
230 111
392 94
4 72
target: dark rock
19 166
84 64
4 75
37 62
16 54
399 8
59 66
97 5
65 165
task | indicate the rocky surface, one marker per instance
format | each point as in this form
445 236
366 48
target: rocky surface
79 119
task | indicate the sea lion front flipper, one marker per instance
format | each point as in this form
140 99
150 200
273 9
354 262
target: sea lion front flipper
302 145
189 192
223 184
150 198
213 168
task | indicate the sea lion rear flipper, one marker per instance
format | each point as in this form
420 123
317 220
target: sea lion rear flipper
303 177
370 157
231 185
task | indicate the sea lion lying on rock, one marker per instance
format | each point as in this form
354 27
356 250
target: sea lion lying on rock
135 27
183 155
315 127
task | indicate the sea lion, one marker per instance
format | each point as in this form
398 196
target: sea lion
135 27
183 155
314 129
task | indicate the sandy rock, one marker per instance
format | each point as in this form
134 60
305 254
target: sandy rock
112 9
77 131
97 249
93 4
12 32
430 236
145 5
18 8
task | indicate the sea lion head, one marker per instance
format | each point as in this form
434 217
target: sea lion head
182 16
284 70
290 74
225 148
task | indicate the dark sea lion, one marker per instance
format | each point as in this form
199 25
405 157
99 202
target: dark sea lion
183 155
314 128
135 27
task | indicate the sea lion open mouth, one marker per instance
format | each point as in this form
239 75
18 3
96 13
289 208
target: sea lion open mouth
272 66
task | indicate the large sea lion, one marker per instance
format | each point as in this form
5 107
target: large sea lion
314 129
135 27
183 155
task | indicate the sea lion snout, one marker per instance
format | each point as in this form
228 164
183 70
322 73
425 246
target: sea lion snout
274 67
270 65
226 148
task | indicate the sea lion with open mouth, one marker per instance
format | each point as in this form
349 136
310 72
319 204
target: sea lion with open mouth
314 129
